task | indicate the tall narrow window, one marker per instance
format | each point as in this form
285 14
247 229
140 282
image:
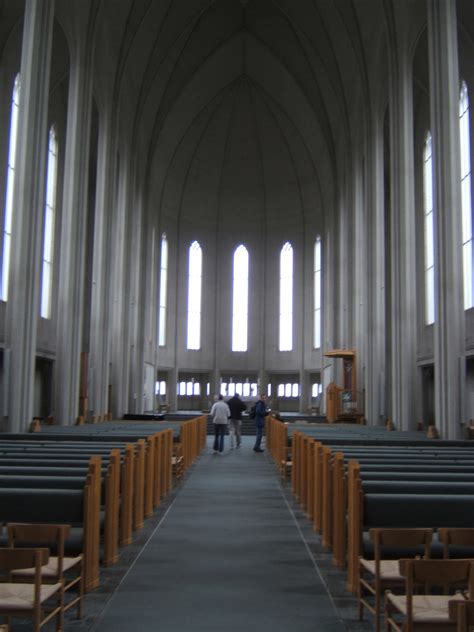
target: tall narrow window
240 299
467 237
429 230
317 294
7 226
49 219
286 298
163 291
194 296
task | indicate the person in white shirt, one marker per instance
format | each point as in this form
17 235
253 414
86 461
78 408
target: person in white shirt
220 413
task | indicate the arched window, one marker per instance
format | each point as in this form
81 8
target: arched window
429 230
7 226
49 220
194 296
240 299
464 133
317 294
163 291
286 298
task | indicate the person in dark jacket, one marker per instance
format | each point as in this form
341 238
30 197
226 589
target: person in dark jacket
237 407
260 413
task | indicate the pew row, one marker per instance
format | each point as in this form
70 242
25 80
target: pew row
78 507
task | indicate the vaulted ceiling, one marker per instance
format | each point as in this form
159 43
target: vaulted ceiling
258 100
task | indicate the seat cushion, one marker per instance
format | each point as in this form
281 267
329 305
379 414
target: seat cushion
50 569
426 608
16 597
389 569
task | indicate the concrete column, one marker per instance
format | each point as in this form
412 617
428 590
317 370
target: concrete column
73 235
449 325
120 345
101 270
172 384
215 384
343 225
403 244
28 215
136 267
263 383
304 392
375 331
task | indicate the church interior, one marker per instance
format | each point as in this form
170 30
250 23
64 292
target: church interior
204 198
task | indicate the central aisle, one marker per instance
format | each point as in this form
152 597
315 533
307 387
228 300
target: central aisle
227 556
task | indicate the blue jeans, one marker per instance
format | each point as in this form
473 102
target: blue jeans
219 434
258 436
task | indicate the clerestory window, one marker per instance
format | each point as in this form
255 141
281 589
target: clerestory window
317 294
240 299
163 291
194 296
286 298
49 223
428 230
7 225
466 203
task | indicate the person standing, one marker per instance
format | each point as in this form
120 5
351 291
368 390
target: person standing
220 414
260 413
237 407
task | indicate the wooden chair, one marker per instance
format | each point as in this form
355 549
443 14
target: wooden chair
456 537
60 568
379 574
285 463
462 612
178 461
28 600
427 612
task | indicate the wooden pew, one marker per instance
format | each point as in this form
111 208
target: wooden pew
77 507
25 474
398 510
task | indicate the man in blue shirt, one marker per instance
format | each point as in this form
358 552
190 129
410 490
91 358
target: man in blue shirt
260 414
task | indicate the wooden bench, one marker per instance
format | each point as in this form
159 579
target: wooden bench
79 508
369 510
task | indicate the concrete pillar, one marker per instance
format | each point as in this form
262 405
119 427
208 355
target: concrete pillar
137 277
120 345
403 243
375 329
28 216
305 395
449 336
172 389
263 383
73 235
101 271
215 384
